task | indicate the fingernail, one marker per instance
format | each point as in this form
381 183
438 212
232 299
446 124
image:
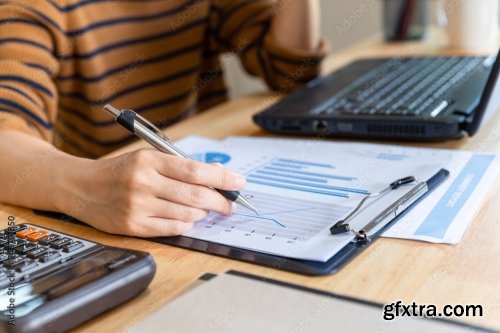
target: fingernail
240 181
233 207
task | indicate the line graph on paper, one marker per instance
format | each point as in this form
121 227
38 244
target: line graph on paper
280 217
290 217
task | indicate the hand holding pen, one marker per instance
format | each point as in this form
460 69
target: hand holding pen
153 135
148 193
144 192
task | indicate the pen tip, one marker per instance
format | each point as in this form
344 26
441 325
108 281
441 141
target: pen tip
245 203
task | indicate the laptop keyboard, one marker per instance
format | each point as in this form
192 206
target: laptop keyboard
410 87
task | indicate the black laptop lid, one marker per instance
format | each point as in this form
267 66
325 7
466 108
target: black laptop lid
490 100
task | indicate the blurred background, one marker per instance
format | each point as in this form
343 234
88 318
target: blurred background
344 22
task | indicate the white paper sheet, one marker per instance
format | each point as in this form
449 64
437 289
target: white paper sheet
302 187
443 216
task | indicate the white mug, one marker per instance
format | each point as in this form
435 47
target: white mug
472 24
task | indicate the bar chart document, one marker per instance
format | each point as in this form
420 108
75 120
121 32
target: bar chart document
443 216
302 187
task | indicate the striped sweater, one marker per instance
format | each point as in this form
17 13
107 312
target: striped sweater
62 60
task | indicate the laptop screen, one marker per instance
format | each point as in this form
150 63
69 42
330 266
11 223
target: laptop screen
490 100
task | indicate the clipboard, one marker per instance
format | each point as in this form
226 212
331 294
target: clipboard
306 267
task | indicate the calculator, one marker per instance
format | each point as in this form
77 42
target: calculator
52 282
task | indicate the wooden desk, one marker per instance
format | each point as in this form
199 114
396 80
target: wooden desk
391 270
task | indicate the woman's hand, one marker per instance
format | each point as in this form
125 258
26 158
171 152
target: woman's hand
147 193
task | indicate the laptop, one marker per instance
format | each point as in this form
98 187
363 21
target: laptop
411 99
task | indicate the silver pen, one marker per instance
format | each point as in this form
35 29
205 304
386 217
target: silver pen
153 135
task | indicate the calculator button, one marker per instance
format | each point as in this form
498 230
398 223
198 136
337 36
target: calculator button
14 243
36 236
3 257
73 246
50 256
14 261
14 229
48 239
35 254
59 244
28 264
25 232
26 248
3 242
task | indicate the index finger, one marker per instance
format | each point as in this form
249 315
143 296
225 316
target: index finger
199 173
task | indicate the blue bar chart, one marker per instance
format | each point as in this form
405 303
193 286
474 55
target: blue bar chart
304 176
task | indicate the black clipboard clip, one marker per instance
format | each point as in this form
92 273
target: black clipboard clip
391 212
